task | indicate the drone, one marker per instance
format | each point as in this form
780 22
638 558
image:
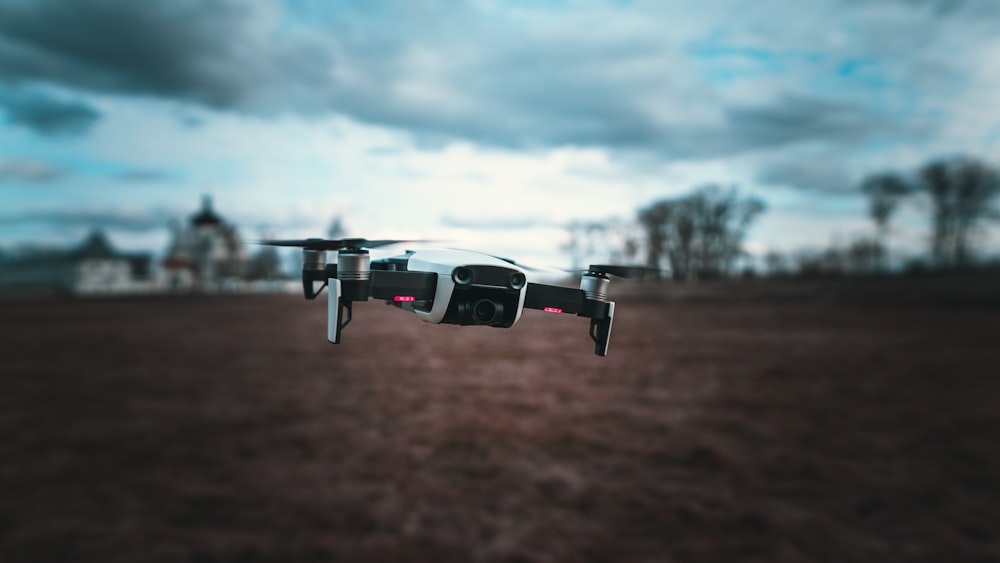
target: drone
444 286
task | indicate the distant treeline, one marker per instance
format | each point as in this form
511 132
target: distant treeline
700 235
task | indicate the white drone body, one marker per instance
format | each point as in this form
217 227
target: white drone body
448 287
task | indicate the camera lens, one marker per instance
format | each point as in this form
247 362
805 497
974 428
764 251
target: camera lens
516 280
462 276
486 311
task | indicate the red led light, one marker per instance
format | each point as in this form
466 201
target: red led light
552 310
406 298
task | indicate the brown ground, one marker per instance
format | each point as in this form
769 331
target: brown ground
824 425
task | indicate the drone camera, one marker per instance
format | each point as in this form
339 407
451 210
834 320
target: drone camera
516 280
487 311
462 275
485 295
485 307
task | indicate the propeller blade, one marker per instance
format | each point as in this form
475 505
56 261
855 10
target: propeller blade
311 243
621 271
338 244
389 242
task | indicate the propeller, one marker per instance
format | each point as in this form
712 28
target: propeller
621 271
630 272
338 244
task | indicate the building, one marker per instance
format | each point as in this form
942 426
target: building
93 267
206 254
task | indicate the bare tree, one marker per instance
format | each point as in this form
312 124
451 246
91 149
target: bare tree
864 256
265 264
962 191
885 191
599 241
826 263
581 241
653 220
776 263
700 235
630 249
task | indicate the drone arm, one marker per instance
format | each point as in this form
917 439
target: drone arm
383 284
554 298
403 286
558 299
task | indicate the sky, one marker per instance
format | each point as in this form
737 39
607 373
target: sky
487 125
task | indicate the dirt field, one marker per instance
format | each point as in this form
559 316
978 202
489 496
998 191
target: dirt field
813 424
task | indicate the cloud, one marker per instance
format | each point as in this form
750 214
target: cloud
799 118
824 172
185 49
46 114
29 171
134 219
144 175
497 224
112 218
943 7
650 77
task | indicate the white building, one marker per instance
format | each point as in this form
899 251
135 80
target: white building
206 254
92 267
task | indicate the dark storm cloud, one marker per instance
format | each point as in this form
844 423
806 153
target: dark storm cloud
225 55
203 51
46 114
783 122
521 94
141 47
533 92
797 118
823 173
942 7
440 70
26 171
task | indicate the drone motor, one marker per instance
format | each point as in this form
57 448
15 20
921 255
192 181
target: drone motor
595 285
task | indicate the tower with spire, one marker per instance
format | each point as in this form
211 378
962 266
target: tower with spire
205 254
